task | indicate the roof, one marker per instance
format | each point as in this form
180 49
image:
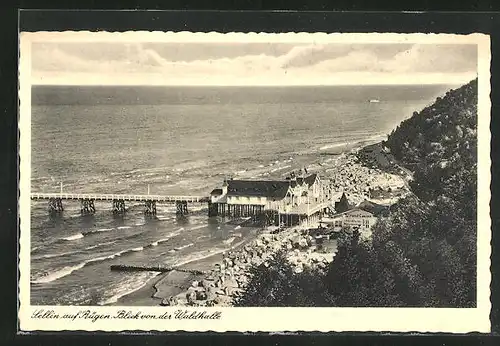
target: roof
309 180
261 188
374 208
350 211
216 192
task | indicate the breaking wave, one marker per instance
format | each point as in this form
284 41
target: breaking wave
198 227
83 234
125 288
70 269
183 247
74 237
98 231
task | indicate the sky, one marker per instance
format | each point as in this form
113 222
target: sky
247 63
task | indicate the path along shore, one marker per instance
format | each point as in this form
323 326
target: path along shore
228 273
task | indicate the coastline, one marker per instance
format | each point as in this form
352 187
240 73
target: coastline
157 288
174 287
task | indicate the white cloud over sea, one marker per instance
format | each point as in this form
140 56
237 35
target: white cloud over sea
177 63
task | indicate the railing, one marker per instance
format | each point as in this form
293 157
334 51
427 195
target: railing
111 197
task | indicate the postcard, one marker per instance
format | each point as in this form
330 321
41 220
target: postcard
188 181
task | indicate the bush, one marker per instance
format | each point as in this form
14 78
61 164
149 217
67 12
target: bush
276 285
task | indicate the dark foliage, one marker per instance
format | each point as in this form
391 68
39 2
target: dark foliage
277 285
424 252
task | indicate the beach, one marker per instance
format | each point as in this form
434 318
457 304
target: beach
364 172
172 283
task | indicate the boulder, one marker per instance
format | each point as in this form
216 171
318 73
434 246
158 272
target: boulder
223 301
195 284
298 269
191 297
228 262
201 295
173 301
206 283
242 280
235 292
256 261
231 282
303 242
219 282
220 292
211 293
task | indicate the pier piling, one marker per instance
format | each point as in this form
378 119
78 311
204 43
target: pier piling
118 206
55 206
213 209
150 207
181 207
87 206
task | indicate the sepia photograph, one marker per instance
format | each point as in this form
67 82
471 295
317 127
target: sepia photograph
192 172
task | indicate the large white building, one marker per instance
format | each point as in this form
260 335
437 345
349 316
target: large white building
293 199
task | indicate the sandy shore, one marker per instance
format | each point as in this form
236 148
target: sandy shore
173 283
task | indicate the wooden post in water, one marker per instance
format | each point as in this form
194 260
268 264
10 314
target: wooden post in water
181 208
55 206
150 207
87 206
118 206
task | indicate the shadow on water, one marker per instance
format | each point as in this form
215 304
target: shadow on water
150 219
87 220
54 219
118 218
182 219
213 221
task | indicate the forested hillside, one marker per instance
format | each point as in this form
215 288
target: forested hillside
440 145
424 252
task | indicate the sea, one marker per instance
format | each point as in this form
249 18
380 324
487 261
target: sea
179 141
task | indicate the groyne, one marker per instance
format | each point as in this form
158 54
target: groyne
153 268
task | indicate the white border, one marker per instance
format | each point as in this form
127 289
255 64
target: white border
269 319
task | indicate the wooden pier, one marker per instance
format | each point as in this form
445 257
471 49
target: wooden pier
288 202
118 201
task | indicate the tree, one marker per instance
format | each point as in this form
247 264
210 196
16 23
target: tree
276 285
356 277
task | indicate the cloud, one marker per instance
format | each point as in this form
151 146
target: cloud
431 58
301 64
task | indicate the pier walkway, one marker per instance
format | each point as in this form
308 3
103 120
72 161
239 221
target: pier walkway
118 201
111 197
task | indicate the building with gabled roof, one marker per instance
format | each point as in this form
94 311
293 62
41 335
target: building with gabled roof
354 218
292 198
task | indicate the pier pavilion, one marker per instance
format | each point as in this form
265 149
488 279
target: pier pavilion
286 202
